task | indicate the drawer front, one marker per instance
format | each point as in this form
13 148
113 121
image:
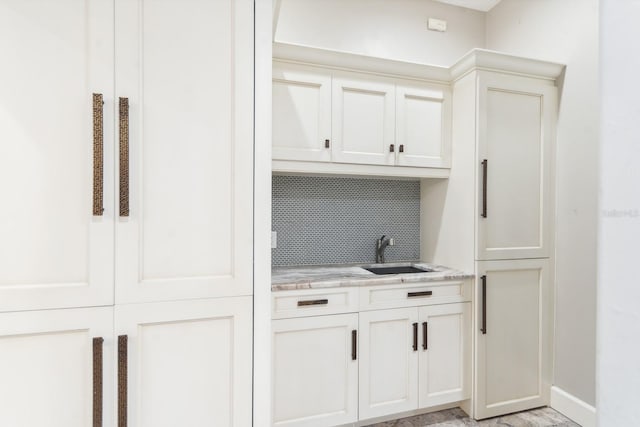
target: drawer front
313 302
415 294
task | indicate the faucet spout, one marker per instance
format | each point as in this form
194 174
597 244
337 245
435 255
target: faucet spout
381 245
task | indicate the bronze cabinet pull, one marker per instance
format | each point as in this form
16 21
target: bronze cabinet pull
401 148
392 148
97 381
122 380
313 302
124 156
425 336
98 155
415 337
327 143
419 294
354 344
485 168
483 329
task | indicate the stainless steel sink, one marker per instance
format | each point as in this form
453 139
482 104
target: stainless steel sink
397 270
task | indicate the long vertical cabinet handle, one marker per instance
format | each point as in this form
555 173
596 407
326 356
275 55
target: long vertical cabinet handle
97 382
485 168
415 337
354 344
98 155
425 336
484 305
122 380
124 156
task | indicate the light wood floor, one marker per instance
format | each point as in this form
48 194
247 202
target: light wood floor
542 417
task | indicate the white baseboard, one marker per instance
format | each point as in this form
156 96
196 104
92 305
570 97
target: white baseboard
573 408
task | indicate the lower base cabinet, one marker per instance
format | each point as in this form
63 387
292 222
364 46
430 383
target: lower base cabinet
337 369
187 363
414 358
513 337
315 371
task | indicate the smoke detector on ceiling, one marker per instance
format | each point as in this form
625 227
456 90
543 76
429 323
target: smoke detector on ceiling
482 5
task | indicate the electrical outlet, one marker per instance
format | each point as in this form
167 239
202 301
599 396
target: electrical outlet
274 239
437 24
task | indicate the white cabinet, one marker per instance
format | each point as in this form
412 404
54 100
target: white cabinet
315 370
514 336
301 113
363 117
188 362
414 358
50 376
327 120
516 133
53 251
388 362
187 71
423 125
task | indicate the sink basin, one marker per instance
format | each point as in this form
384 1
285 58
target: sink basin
397 270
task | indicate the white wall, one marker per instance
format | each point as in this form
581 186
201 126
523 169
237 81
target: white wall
619 234
394 29
567 32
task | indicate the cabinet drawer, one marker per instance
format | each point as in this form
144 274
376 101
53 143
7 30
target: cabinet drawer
313 302
411 295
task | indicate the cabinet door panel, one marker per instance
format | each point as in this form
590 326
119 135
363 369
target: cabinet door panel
445 363
189 231
315 380
516 138
53 252
513 357
423 121
189 362
46 366
301 113
388 362
363 121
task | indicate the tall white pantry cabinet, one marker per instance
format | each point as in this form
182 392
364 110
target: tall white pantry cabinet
126 174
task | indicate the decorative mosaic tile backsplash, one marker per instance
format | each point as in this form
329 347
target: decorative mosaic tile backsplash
326 220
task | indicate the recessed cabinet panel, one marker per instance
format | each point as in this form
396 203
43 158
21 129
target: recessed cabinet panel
445 350
388 362
422 126
189 362
301 114
363 121
515 139
188 232
47 367
315 377
513 357
53 251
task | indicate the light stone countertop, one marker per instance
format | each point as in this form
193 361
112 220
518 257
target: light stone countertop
334 276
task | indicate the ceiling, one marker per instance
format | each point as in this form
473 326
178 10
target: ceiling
483 5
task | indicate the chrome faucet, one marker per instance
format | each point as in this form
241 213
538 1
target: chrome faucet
381 245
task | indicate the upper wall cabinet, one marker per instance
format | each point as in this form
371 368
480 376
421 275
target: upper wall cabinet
301 113
332 121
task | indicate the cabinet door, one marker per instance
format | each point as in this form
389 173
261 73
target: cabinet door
513 355
445 350
301 113
516 128
53 251
363 121
47 368
189 362
186 67
423 126
388 362
315 373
